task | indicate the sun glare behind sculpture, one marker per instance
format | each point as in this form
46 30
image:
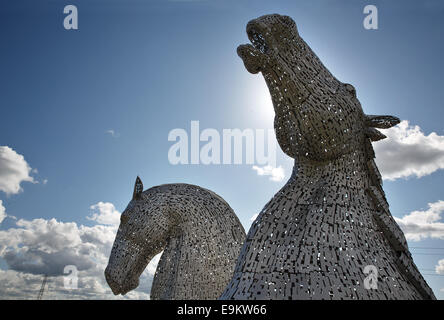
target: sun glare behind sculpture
260 101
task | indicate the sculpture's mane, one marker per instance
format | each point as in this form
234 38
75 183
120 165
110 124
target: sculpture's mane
186 190
184 186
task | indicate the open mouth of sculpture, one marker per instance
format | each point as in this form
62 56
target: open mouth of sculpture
258 40
254 55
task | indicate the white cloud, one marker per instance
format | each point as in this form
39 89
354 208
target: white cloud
439 269
19 285
113 133
276 174
13 170
2 211
423 224
407 151
105 213
36 247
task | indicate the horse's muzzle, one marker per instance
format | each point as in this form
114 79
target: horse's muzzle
115 287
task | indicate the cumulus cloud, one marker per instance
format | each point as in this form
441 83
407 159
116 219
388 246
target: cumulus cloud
276 174
105 213
13 171
2 211
36 247
423 224
407 151
18 285
439 269
37 261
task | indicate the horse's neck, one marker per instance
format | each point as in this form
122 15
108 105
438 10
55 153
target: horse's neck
350 171
179 266
167 272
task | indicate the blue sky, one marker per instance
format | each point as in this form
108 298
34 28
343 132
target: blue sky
143 68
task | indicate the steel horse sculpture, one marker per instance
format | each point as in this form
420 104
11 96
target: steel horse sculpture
315 237
198 232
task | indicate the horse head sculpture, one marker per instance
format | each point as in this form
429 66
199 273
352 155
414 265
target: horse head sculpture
198 232
317 116
317 235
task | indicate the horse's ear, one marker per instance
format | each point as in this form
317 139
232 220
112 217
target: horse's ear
138 189
382 122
